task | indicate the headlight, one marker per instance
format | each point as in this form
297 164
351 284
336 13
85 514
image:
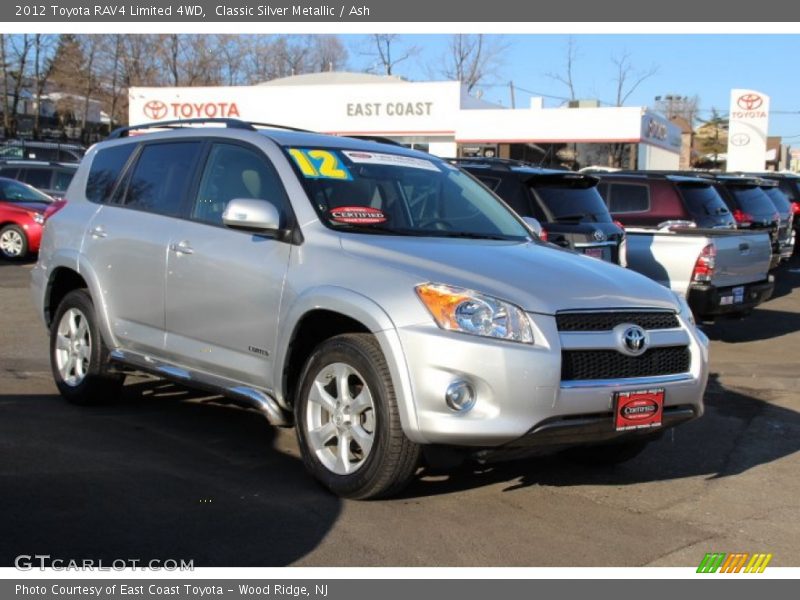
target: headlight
686 312
38 217
457 309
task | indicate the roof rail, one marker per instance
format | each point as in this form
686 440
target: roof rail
180 123
511 162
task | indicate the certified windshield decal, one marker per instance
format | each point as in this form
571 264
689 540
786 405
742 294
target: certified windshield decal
394 160
320 164
357 215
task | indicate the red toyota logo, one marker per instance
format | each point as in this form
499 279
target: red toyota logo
749 101
155 109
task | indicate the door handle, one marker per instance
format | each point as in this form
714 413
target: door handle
98 232
181 248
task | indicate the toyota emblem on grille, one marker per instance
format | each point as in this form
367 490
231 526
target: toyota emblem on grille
631 339
599 235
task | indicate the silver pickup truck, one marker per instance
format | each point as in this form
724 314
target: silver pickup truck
718 271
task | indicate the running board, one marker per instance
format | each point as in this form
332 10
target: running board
253 397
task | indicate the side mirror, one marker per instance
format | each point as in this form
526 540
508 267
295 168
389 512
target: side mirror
258 216
534 225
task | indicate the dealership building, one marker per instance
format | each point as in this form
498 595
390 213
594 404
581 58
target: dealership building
436 116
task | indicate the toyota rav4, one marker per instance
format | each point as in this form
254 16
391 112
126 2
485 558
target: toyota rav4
382 302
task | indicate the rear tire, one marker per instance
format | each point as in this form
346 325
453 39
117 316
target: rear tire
13 242
607 454
78 355
347 421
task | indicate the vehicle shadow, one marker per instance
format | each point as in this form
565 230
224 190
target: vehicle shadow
762 324
737 432
160 473
787 277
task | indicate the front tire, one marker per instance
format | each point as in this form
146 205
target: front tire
347 421
13 242
78 355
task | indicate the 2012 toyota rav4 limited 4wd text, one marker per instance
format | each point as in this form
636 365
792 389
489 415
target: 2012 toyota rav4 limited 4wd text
379 299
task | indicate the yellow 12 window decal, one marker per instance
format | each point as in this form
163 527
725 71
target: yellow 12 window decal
319 164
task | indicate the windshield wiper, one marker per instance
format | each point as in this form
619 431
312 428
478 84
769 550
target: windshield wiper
468 235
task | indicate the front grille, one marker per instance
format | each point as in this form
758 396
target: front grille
610 364
606 321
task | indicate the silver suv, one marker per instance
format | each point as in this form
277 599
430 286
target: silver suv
380 300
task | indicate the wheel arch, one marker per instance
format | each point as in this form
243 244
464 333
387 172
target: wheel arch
325 312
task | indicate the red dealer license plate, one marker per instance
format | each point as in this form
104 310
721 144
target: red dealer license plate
638 410
594 252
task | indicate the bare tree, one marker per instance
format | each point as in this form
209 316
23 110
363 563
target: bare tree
15 64
6 75
42 69
628 78
328 54
387 51
675 105
473 59
569 64
626 81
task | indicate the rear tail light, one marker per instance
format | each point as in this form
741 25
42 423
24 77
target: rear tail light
743 219
619 224
54 208
704 266
796 208
543 235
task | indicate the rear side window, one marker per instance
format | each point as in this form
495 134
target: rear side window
161 176
105 170
702 201
61 180
628 198
38 178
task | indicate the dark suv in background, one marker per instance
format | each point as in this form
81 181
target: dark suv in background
567 204
789 184
52 178
646 199
751 207
30 150
785 213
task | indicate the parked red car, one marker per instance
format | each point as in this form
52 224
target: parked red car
22 215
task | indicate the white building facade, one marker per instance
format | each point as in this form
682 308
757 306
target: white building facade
439 117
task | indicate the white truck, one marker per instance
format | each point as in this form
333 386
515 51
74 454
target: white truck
718 271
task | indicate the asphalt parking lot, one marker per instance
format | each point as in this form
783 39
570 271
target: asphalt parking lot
163 473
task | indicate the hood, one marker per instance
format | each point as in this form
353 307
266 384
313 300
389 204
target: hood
536 277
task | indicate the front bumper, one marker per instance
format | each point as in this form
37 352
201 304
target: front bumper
711 301
519 388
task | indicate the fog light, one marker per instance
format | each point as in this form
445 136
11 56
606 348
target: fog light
460 396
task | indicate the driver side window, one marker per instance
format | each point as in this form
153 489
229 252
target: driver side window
233 171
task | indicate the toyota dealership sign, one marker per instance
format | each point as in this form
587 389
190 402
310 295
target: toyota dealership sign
747 136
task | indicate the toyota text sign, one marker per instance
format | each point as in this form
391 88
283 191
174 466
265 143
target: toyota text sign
747 136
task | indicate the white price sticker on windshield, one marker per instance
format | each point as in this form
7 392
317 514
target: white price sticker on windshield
394 160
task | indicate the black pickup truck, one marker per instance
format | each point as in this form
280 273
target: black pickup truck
567 204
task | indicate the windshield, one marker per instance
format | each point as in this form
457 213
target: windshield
13 191
703 201
372 192
566 202
752 200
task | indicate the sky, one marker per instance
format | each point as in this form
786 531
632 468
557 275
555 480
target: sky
708 66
